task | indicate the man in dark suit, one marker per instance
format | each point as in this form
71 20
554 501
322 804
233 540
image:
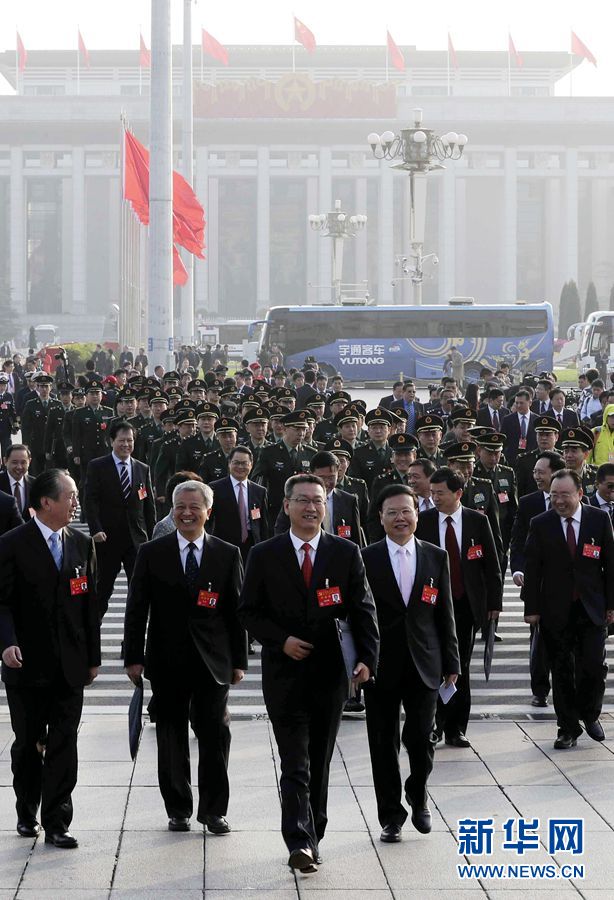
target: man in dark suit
477 588
410 581
196 648
395 397
9 514
547 432
119 508
603 498
297 586
519 428
569 590
240 506
15 480
493 412
567 418
50 644
411 406
541 405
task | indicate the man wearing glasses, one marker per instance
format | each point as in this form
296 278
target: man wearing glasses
297 586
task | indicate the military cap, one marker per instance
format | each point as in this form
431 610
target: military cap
197 384
478 431
94 385
43 378
548 423
225 423
360 405
253 402
463 450
207 409
276 411
284 393
144 394
340 447
315 400
462 414
401 414
4 378
171 376
64 387
185 414
296 417
29 375
78 392
174 392
577 437
492 440
280 373
215 385
340 395
186 403
429 422
151 382
157 396
378 415
346 415
230 382
256 414
401 442
167 416
127 393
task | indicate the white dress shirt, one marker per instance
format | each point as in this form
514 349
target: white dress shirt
47 532
329 514
546 500
183 548
576 518
235 486
297 543
422 504
22 493
120 462
394 552
527 419
457 525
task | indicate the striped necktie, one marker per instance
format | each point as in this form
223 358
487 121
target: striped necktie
124 480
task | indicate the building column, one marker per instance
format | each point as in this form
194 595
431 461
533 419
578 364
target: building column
447 236
19 300
201 266
510 227
385 245
602 267
571 213
79 287
555 265
460 250
360 208
325 204
312 247
263 230
214 246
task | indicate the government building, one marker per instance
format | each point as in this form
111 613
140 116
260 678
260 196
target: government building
528 206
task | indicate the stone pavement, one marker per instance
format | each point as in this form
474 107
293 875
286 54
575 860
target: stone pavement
126 851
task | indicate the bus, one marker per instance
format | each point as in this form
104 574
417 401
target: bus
379 343
597 338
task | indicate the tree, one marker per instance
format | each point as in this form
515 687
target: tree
592 304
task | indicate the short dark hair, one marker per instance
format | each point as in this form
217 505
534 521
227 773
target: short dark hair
122 425
310 376
12 447
555 391
305 478
452 479
179 478
427 466
397 384
395 490
598 383
240 448
90 365
568 473
555 460
591 374
324 459
523 392
47 484
495 392
606 470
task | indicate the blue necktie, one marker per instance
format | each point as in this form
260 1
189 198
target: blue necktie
55 545
411 418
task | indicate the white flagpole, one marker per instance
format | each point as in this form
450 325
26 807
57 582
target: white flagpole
78 60
202 77
16 63
293 42
509 66
386 55
448 64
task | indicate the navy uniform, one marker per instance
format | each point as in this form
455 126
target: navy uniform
8 416
526 463
33 424
194 449
277 463
370 461
399 443
215 465
54 443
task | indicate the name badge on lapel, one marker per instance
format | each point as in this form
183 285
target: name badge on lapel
592 550
522 443
255 513
329 596
429 594
142 492
475 551
344 530
208 599
78 585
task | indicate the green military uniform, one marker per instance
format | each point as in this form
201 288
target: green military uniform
71 465
192 452
166 464
325 430
368 462
438 460
213 466
54 443
89 434
373 525
478 494
33 424
145 438
275 466
358 487
525 462
256 451
503 481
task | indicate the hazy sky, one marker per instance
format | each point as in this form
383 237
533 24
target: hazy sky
474 25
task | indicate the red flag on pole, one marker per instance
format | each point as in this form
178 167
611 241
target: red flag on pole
22 54
452 52
144 55
579 48
136 176
304 36
214 48
513 52
180 273
85 54
395 55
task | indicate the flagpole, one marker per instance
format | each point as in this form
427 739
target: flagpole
202 75
294 43
387 54
78 60
16 63
140 66
448 64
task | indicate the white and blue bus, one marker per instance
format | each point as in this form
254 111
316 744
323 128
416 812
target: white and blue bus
378 343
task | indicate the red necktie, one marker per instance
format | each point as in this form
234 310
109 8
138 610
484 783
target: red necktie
495 420
307 567
456 573
242 513
571 538
17 494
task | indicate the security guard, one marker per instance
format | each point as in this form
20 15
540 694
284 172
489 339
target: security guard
55 447
89 431
375 457
167 420
503 481
125 405
547 432
78 402
194 449
34 420
429 431
404 447
256 424
158 402
8 416
346 423
215 465
344 452
166 463
576 444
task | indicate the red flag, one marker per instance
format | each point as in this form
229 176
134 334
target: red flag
180 273
213 48
22 54
144 55
304 36
136 177
85 54
513 52
395 55
578 48
452 52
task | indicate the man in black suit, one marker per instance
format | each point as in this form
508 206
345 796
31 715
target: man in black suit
196 648
569 590
567 418
9 514
119 508
297 586
493 412
240 506
395 397
475 577
410 581
519 428
541 404
529 506
15 480
411 406
603 498
50 644
341 517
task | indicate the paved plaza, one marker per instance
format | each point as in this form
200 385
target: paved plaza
125 851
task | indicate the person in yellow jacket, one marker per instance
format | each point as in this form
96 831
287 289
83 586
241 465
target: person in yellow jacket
603 451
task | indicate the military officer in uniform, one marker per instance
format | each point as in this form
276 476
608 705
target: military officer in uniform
125 405
55 448
8 416
167 420
375 457
78 402
34 420
194 449
576 444
460 420
429 431
344 452
166 461
503 481
256 423
547 431
404 447
215 465
89 431
143 413
158 402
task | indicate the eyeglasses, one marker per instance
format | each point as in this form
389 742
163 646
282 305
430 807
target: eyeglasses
395 513
305 501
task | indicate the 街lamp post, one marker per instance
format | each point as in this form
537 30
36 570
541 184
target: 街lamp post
338 226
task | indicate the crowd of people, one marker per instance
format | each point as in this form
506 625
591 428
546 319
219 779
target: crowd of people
365 550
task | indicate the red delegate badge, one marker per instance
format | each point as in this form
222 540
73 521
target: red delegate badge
429 594
593 551
208 599
78 586
255 513
475 552
142 492
329 596
344 530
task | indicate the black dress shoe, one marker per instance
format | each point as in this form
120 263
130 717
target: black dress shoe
251 650
498 638
457 740
303 860
595 730
539 701
353 705
319 860
565 741
62 839
391 834
421 817
179 823
217 824
28 829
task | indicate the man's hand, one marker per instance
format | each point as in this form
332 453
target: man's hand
77 460
100 537
297 649
237 676
47 456
609 616
134 672
450 679
518 579
493 614
93 673
361 674
532 620
11 657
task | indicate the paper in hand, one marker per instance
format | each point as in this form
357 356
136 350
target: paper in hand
446 692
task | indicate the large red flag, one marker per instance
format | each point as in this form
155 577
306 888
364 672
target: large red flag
580 49
85 54
304 36
22 54
513 52
180 273
136 176
452 52
213 48
144 55
394 54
